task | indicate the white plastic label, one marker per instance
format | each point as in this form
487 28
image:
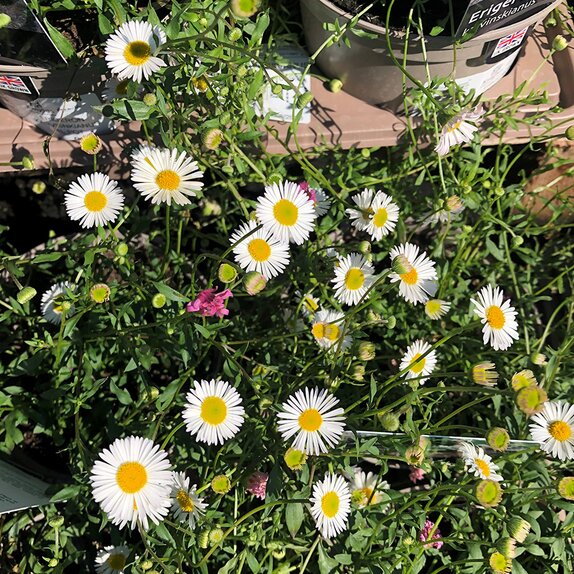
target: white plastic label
483 80
14 84
19 490
281 106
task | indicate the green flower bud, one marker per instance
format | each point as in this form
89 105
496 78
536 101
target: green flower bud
39 187
506 546
517 241
277 89
28 162
215 536
559 43
212 138
295 458
26 294
401 265
53 562
566 487
221 484
242 71
278 553
226 273
122 249
150 99
203 539
498 438
389 421
358 373
146 565
518 528
499 191
203 22
244 8
159 300
488 493
391 322
56 522
254 282
335 85
365 247
234 34
100 293
304 99
570 133
415 455
366 351
366 152
4 20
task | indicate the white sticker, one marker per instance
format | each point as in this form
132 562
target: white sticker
509 42
483 80
65 119
281 106
19 490
14 84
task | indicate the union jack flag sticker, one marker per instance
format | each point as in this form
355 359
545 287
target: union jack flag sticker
14 84
509 42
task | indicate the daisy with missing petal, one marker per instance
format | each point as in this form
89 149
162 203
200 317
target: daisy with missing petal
259 250
187 506
94 200
115 89
366 488
112 559
553 429
384 214
331 505
131 51
436 308
353 278
328 329
415 272
310 414
478 462
213 412
142 153
132 481
287 212
361 217
460 129
418 368
54 303
165 175
498 318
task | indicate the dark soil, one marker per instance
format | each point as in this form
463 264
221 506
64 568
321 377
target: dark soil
433 12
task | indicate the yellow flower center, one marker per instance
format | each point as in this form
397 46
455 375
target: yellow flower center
318 330
482 466
411 277
416 369
168 180
433 306
560 430
380 217
116 561
332 332
259 249
137 53
310 304
95 201
213 410
495 317
367 493
286 212
454 127
310 420
330 504
131 477
184 501
354 279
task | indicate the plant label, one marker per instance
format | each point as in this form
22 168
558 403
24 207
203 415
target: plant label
20 490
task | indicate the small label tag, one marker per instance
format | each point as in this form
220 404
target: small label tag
281 106
486 15
14 84
20 490
509 42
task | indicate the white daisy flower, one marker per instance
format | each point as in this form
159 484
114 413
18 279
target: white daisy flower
328 330
498 318
460 129
142 153
94 200
287 212
423 367
553 429
419 281
353 278
317 196
131 51
311 415
331 505
112 559
52 300
187 505
213 412
260 251
115 89
361 217
308 304
366 488
132 482
164 175
384 214
478 462
436 308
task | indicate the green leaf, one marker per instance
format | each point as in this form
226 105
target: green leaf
44 257
170 294
122 395
326 563
294 515
61 41
202 330
436 30
67 493
494 250
132 109
166 398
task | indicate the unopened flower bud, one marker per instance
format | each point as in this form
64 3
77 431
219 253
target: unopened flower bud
389 421
226 273
146 565
38 187
539 359
100 293
498 438
52 563
335 85
210 207
365 247
488 493
244 8
234 34
570 133
215 536
295 458
415 455
366 351
517 241
91 144
159 300
150 99
254 282
566 487
518 528
212 138
28 162
203 539
506 546
530 400
304 99
358 372
221 484
559 43
56 522
391 322
401 265
4 20
25 295
122 249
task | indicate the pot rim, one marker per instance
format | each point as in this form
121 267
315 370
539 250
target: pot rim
399 33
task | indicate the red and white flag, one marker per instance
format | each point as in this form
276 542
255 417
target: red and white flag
14 84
